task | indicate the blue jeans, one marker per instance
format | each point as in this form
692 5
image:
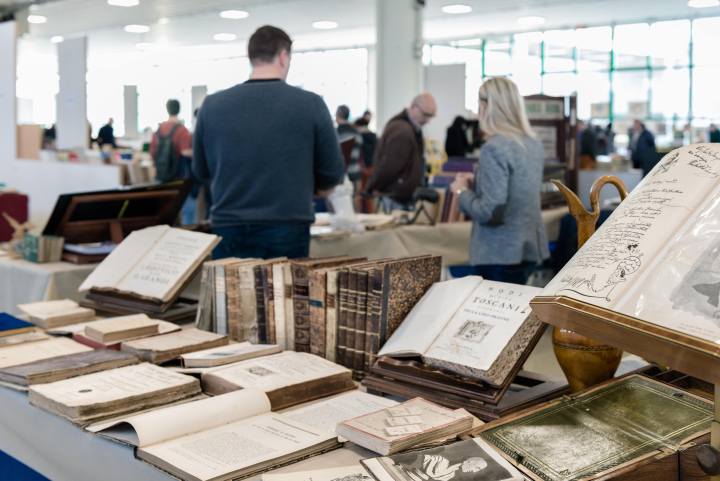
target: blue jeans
515 274
263 241
188 212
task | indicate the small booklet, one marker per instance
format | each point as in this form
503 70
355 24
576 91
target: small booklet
114 392
220 438
409 424
159 349
50 314
11 325
289 378
219 356
471 460
123 328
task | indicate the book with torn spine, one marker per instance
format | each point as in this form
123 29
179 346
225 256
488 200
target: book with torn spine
409 424
288 378
110 393
123 328
219 356
65 367
50 314
225 437
159 349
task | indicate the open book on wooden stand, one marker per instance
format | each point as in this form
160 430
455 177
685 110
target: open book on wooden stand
463 345
148 270
648 281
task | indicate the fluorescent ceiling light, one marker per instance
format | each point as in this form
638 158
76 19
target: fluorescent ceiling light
163 21
325 25
137 28
234 14
456 9
124 3
57 39
532 21
37 19
224 37
703 3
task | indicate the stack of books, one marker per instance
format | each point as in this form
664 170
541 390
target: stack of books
42 248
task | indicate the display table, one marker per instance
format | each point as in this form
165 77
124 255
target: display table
22 281
449 240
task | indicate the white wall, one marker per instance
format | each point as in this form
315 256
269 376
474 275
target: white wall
8 139
447 84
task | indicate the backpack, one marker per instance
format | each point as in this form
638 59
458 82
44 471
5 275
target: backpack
167 162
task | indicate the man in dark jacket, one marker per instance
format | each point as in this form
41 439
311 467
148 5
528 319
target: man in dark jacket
399 164
642 146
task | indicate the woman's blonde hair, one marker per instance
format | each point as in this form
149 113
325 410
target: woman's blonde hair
504 110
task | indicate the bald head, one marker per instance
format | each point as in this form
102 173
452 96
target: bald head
422 108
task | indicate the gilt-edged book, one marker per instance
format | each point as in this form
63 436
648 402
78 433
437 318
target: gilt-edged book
226 437
470 326
288 378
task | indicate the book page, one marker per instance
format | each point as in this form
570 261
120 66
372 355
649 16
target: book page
17 354
326 415
113 385
126 255
349 473
479 331
277 371
429 317
167 264
633 236
233 447
172 422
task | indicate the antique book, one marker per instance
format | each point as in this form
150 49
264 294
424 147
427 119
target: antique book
205 316
331 314
347 473
341 352
409 424
152 263
238 276
656 257
361 316
24 353
288 378
225 437
123 328
600 431
469 460
247 326
11 325
114 392
223 277
397 287
269 293
317 293
219 356
77 331
49 314
31 336
278 286
469 326
159 349
289 306
64 367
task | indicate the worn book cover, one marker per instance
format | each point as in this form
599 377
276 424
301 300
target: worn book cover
318 311
159 349
205 315
598 431
361 286
268 289
261 315
289 307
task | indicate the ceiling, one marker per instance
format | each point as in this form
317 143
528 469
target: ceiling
194 22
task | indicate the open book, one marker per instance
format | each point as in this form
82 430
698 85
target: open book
220 438
152 263
470 326
657 258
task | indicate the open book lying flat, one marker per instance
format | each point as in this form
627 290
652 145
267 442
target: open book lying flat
470 326
152 263
230 436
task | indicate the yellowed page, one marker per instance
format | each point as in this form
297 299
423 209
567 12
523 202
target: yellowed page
123 258
168 342
113 385
114 325
35 351
226 449
172 422
630 240
170 261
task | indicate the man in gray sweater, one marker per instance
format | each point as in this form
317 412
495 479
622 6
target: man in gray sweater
266 148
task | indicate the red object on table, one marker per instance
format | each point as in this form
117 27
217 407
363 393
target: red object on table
16 206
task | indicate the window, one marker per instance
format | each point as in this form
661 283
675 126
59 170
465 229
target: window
631 94
498 57
669 44
526 62
593 48
630 45
559 50
670 93
706 38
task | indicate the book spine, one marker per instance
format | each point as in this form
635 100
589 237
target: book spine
316 291
260 305
351 319
279 302
372 334
232 293
302 308
342 331
269 303
331 326
202 317
360 319
247 322
220 301
289 307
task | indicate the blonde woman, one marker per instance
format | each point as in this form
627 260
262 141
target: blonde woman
508 235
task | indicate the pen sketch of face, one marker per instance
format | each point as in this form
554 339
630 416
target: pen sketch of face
625 268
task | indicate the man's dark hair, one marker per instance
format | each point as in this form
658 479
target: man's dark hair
343 112
173 107
266 43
